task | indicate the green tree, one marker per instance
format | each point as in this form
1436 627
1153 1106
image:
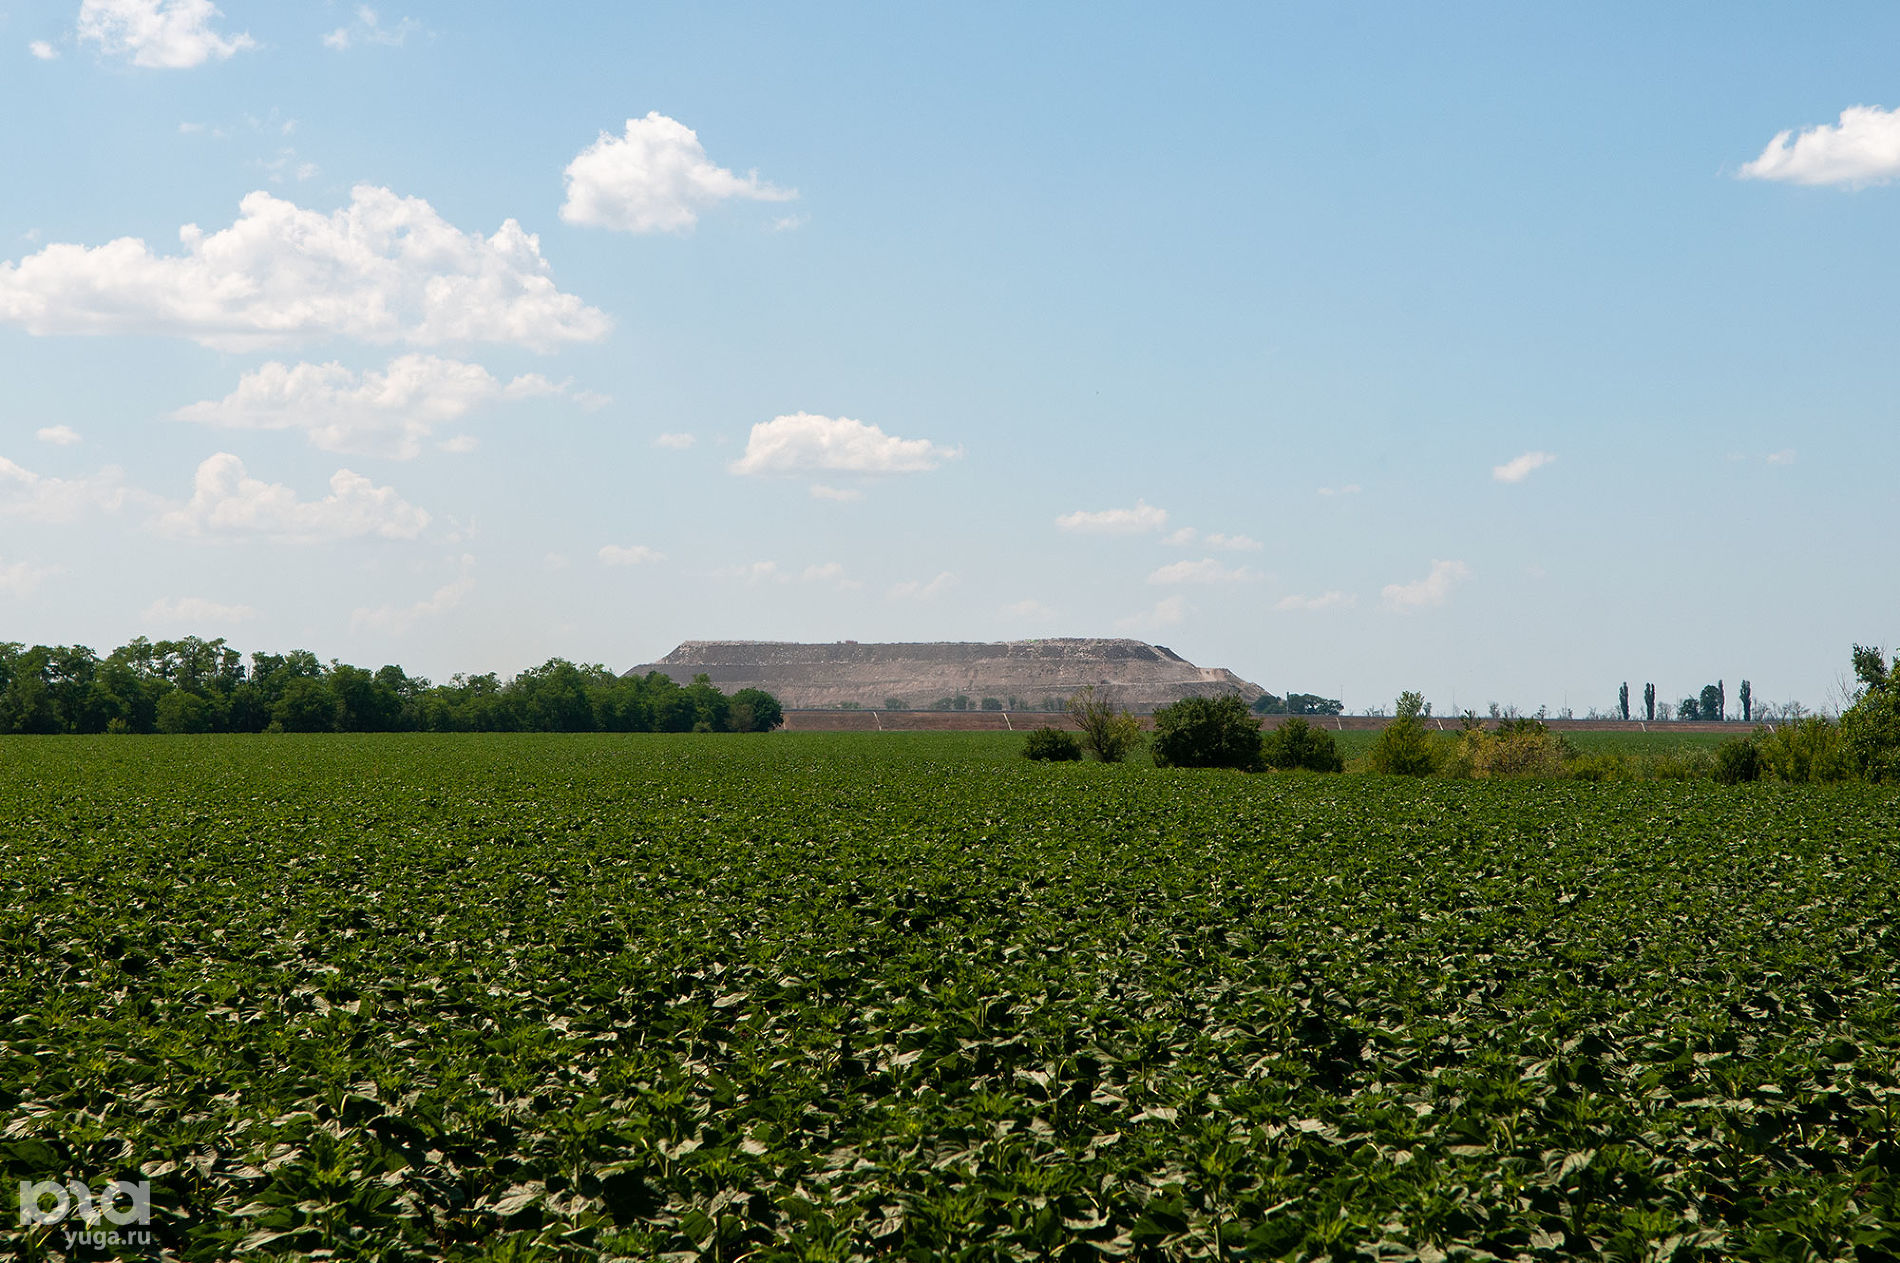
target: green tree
1870 728
1710 705
1109 733
1623 700
755 710
1747 694
305 705
1313 704
1207 732
1268 704
181 712
1649 702
1296 744
1405 746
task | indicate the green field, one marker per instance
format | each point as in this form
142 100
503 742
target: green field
829 997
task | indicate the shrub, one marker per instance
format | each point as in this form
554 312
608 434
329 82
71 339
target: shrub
1052 745
1107 733
1807 751
1519 748
1404 747
1207 732
1297 744
1737 761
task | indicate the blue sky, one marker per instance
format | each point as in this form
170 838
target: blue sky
1501 354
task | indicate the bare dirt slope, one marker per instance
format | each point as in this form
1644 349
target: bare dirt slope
1021 673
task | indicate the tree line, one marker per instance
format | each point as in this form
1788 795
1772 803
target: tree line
196 686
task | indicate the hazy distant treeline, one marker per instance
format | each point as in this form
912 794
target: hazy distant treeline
193 685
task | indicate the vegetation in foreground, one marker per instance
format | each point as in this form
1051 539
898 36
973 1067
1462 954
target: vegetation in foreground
852 997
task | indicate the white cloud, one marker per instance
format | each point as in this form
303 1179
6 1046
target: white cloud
1181 538
831 573
1234 543
1206 570
1166 613
921 590
819 491
43 50
368 28
400 618
1434 589
163 34
57 435
37 498
1783 457
629 555
756 572
804 443
1030 611
460 445
1862 149
21 578
193 610
388 413
1324 601
1518 468
655 178
226 500
1143 517
166 35
1350 489
383 269
674 442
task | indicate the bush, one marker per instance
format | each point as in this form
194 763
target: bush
1052 745
1404 747
1207 732
1737 761
1808 751
1519 748
1107 733
1297 744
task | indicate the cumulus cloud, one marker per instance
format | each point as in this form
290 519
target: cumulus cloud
22 578
674 442
38 498
1143 517
57 435
383 269
655 178
162 34
1166 613
1862 149
924 590
1206 570
804 443
400 618
1434 589
388 413
1350 489
629 555
1234 543
227 501
194 611
832 574
368 28
43 50
1324 601
1518 468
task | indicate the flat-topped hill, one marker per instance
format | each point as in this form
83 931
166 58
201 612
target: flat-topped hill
1022 674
